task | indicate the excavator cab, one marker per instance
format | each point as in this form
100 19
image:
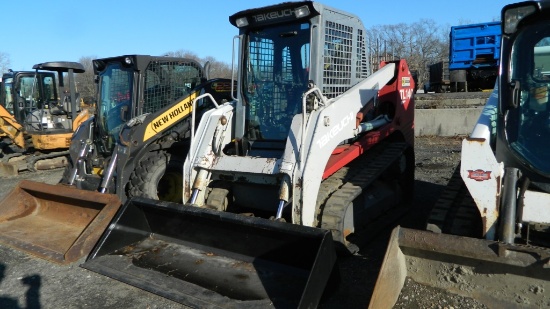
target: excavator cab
45 110
24 87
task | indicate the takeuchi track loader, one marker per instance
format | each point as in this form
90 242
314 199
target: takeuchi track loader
151 95
38 116
489 233
312 149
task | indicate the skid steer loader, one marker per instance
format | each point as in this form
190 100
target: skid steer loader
38 116
143 96
488 235
151 94
310 150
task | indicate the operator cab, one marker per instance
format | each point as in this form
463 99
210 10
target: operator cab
276 68
120 78
526 110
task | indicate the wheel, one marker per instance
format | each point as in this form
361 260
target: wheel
159 176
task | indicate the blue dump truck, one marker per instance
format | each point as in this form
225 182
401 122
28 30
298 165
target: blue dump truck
474 53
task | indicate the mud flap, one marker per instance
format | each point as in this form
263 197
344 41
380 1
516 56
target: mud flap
55 222
496 274
208 259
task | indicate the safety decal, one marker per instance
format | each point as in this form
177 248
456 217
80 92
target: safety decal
405 81
221 86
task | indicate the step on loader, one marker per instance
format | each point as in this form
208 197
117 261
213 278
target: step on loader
312 149
488 235
146 94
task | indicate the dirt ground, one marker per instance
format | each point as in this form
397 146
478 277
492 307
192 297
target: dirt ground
28 282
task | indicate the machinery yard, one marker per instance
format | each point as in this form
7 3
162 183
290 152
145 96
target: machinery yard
311 178
30 282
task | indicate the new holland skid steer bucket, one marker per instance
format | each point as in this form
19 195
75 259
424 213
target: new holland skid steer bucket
493 273
210 259
55 222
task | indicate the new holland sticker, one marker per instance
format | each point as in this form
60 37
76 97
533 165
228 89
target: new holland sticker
479 175
170 117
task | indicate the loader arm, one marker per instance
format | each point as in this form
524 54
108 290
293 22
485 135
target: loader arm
325 129
162 129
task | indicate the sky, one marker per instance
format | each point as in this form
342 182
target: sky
38 31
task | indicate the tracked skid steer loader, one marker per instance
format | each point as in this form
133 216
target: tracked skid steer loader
310 152
488 236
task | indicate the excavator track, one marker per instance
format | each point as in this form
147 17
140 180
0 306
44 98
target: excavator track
338 192
31 161
455 212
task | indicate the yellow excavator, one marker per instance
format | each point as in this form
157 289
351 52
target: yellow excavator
39 111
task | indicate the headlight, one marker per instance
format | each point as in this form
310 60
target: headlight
241 22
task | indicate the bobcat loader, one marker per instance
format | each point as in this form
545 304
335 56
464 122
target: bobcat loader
307 155
488 235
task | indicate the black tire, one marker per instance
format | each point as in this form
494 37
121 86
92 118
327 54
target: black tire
158 176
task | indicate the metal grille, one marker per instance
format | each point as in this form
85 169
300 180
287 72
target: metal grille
338 59
362 62
166 81
261 59
120 85
274 89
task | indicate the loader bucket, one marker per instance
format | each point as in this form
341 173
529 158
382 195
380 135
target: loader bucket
495 274
208 259
54 222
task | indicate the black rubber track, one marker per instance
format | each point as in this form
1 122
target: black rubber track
455 212
339 191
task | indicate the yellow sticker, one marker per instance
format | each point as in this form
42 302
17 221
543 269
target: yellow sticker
170 117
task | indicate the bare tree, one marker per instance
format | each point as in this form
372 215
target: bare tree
421 43
218 69
4 62
85 81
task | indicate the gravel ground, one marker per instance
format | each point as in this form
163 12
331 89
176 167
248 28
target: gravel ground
28 282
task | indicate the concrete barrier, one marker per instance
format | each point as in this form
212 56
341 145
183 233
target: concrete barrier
448 114
445 121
